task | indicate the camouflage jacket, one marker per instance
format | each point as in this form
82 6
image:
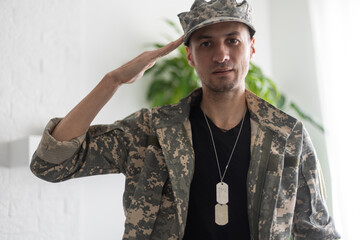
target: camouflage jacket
153 148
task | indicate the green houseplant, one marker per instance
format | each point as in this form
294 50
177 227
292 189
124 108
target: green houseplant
173 78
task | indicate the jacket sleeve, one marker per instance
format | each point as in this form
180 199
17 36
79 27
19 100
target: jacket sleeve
311 218
103 149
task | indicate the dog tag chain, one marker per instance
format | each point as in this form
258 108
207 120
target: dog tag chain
222 189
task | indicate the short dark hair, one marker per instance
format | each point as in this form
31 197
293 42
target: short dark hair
252 32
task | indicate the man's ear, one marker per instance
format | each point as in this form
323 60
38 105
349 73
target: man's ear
189 56
252 47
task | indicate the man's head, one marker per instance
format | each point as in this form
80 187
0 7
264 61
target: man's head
220 43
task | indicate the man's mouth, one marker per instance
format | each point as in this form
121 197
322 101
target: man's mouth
222 71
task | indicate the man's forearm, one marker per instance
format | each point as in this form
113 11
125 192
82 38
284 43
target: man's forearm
78 120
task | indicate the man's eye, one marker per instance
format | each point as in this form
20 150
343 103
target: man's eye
234 40
205 44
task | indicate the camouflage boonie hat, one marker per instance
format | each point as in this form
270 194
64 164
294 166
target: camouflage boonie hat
204 13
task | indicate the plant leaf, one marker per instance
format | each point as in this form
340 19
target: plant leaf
305 116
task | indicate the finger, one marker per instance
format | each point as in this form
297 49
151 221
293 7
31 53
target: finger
150 65
169 47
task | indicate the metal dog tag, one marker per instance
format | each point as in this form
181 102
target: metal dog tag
222 193
221 214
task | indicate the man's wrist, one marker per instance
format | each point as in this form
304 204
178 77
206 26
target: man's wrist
112 80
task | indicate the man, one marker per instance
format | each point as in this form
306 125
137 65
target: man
221 164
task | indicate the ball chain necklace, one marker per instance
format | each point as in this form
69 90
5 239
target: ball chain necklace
222 189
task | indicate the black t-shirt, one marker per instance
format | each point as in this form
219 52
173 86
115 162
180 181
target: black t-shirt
200 222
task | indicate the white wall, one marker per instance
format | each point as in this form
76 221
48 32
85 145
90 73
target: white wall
52 54
39 50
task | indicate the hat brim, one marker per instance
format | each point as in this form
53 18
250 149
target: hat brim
214 21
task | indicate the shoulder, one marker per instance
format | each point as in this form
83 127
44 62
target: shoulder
269 116
135 123
175 113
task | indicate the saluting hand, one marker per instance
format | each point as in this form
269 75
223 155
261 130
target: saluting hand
133 70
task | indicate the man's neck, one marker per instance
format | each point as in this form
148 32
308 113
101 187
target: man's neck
225 109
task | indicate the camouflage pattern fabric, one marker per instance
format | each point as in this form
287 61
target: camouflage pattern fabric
204 13
153 149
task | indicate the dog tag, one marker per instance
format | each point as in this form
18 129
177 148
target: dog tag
222 193
221 214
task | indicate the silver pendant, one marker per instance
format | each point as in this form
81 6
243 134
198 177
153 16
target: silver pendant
222 193
221 214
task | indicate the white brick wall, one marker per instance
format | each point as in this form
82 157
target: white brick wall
39 49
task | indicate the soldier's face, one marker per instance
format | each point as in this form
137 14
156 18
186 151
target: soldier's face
221 53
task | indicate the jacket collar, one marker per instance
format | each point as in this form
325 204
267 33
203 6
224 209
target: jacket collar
166 116
269 116
260 111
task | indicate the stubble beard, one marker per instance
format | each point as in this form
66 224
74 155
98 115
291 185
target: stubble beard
218 85
221 84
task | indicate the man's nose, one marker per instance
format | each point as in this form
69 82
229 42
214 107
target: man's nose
221 53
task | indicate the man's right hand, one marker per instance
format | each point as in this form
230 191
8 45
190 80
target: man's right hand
133 70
